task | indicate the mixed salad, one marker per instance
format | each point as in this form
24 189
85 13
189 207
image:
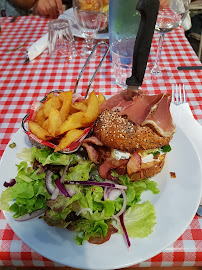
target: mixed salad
66 191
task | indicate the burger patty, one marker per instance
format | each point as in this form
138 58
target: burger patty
116 131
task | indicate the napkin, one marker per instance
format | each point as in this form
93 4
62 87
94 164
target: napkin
184 118
37 47
41 44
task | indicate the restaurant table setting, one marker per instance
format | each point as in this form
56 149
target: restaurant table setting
179 236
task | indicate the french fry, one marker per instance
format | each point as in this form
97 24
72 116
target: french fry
40 116
69 137
101 99
54 121
64 95
74 121
79 106
66 98
39 131
54 102
45 124
85 102
92 110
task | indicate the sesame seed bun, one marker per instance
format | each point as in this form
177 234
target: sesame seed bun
118 132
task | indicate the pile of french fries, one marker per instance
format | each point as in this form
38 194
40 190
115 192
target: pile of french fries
59 118
90 5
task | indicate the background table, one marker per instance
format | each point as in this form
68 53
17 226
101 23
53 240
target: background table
20 84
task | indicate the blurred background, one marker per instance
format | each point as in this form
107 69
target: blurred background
194 34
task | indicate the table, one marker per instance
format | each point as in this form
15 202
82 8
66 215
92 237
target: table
20 84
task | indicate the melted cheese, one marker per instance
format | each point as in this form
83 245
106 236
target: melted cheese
120 154
146 155
148 158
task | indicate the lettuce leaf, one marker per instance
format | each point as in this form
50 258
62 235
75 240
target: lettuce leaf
47 156
80 172
29 192
87 229
139 220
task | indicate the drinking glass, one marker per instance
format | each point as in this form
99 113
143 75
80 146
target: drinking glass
88 16
61 43
171 15
122 59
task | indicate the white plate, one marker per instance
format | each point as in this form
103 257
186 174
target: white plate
69 15
175 205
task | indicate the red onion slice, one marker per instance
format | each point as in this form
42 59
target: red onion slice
105 195
114 193
124 229
48 181
57 191
116 218
71 192
94 183
83 210
55 194
64 172
30 216
124 204
11 183
61 188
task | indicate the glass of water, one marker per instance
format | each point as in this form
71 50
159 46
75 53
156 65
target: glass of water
171 15
88 15
122 59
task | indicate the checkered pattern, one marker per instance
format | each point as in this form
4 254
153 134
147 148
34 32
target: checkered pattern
21 84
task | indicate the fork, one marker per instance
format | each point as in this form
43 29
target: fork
179 97
178 94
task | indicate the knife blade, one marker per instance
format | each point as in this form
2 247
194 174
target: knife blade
189 68
13 19
149 11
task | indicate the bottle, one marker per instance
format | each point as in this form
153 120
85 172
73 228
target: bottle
124 20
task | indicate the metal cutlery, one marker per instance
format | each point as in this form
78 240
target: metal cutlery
189 68
178 94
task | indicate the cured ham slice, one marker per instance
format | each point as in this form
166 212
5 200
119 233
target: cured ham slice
88 144
160 118
115 103
134 163
141 106
109 164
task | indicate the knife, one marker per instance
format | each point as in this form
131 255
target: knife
13 19
149 11
189 68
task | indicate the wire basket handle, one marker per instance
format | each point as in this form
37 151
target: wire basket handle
96 71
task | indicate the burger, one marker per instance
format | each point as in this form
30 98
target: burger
131 136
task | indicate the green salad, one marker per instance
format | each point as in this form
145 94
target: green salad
67 192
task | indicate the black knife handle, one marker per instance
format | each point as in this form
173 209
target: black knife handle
148 10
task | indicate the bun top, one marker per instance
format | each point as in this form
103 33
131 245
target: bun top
118 132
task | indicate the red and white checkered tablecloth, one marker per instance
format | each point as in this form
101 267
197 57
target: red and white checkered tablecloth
20 84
